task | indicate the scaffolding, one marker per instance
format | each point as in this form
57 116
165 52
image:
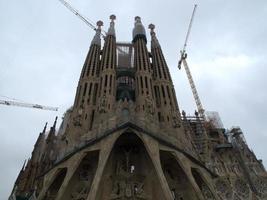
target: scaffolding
125 55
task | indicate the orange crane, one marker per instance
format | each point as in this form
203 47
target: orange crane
183 61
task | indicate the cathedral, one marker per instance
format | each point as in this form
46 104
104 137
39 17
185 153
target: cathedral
125 138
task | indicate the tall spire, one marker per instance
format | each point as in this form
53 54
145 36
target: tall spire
164 90
111 30
108 62
154 39
97 40
139 30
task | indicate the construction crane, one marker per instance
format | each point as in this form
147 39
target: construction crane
187 70
27 105
84 19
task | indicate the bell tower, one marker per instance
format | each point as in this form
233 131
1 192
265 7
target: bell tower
124 137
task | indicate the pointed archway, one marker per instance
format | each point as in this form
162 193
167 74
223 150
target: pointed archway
80 183
129 172
206 192
178 181
54 187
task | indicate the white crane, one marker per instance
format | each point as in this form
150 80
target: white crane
27 105
84 19
187 70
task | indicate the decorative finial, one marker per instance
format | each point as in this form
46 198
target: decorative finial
151 27
99 24
111 30
137 18
97 40
112 17
154 40
139 29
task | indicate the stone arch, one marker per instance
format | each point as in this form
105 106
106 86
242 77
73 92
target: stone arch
206 192
177 179
80 183
129 172
54 187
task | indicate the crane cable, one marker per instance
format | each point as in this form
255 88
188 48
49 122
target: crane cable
84 19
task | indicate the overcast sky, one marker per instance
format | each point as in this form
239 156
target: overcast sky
43 47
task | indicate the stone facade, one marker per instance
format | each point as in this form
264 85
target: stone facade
125 137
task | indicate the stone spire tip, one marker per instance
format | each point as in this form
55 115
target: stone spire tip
139 29
111 30
137 18
99 24
97 40
154 40
151 27
112 17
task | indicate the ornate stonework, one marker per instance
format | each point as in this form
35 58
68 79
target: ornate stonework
124 137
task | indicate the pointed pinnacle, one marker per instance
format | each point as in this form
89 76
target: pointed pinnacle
45 127
55 123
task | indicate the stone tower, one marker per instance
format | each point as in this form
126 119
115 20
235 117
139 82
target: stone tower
125 137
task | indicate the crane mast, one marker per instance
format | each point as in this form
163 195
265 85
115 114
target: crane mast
27 105
193 88
187 70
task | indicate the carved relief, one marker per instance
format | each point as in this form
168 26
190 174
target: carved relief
176 121
103 104
149 106
79 185
177 180
206 192
261 185
77 120
126 183
241 189
223 189
80 191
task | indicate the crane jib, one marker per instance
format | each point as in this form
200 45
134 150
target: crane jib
28 105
